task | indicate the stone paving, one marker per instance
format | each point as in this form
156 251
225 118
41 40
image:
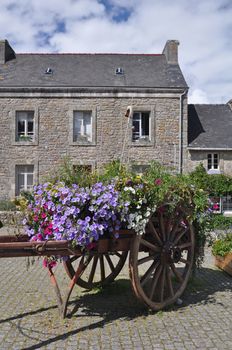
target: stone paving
111 318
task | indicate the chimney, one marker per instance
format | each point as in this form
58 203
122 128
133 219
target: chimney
6 52
171 51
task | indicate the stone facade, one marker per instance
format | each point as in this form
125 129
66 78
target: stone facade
53 133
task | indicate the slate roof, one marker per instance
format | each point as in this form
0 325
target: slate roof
91 70
209 126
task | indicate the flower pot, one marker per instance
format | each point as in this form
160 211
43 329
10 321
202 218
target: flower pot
224 263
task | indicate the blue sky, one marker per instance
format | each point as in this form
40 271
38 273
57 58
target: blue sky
203 27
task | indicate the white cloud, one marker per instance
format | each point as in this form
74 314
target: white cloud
203 27
198 96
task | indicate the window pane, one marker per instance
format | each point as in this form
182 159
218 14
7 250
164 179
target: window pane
215 161
30 126
145 124
21 127
209 161
136 128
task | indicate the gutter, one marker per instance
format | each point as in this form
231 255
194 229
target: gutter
181 133
208 149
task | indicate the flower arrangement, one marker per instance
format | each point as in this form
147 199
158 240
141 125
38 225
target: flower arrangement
80 215
84 214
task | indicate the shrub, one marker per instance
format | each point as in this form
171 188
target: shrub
222 246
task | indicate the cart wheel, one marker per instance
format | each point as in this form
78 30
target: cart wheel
161 260
101 269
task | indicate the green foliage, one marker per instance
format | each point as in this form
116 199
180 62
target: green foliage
70 174
6 205
222 246
220 222
214 184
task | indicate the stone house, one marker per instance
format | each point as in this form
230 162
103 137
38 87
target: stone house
57 105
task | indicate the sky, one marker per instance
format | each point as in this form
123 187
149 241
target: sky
203 28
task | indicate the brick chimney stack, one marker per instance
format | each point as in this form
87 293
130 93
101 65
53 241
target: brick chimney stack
171 51
6 52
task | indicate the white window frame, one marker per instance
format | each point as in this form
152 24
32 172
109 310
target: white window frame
83 137
83 109
14 127
26 170
25 117
141 137
213 156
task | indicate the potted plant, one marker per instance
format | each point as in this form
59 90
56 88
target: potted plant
222 250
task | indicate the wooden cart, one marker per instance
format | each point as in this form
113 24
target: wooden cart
160 260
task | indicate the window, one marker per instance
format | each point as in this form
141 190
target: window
215 204
140 169
227 203
82 126
82 168
213 161
24 178
24 126
141 126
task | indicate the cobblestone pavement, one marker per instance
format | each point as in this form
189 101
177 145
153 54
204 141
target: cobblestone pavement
111 318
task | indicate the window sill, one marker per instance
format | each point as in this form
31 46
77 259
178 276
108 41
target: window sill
85 144
214 171
25 143
142 143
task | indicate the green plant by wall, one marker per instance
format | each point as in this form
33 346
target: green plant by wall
222 246
214 184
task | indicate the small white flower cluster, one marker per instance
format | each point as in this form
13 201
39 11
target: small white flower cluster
137 221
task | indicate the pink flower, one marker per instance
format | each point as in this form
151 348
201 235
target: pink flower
158 182
215 206
43 215
35 218
49 264
47 231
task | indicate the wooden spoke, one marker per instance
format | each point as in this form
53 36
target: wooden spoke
93 269
175 227
155 280
162 226
154 232
111 265
150 245
74 258
96 274
180 235
102 268
176 273
118 254
146 259
162 281
169 281
185 245
145 277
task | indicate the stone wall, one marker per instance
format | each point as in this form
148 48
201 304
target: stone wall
11 218
54 134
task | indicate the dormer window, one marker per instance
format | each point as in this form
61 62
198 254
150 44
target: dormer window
48 71
119 71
